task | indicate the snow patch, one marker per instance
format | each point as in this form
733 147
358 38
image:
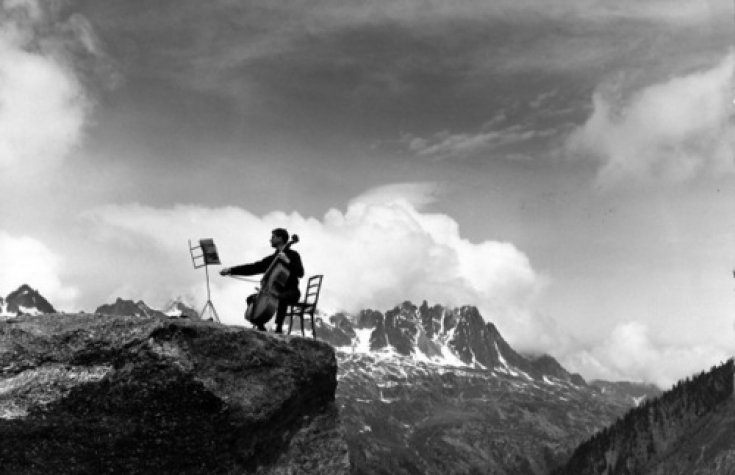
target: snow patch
476 364
326 322
362 345
508 369
638 400
28 310
505 367
4 313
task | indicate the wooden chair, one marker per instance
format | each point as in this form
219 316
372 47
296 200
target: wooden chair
308 306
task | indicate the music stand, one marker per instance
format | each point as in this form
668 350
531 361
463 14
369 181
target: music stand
207 257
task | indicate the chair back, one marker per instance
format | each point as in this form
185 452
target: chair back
313 287
307 306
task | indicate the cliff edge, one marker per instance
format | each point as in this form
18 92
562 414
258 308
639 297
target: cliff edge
86 393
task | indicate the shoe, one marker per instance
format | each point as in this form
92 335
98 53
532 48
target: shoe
279 330
261 328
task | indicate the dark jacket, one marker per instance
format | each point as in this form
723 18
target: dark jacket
295 267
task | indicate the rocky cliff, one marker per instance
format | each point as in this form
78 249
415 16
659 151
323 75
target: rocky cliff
98 394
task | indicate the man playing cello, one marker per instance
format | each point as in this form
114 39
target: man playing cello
287 292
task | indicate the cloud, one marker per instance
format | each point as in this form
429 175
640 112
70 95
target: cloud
445 145
350 13
630 353
43 105
26 260
671 131
417 195
389 45
380 251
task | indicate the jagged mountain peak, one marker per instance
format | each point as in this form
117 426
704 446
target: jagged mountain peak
439 335
25 300
124 307
24 288
367 318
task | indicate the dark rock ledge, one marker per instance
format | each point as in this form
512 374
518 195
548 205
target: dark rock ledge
106 394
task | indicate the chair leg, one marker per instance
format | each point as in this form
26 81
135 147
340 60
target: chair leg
301 317
290 323
313 327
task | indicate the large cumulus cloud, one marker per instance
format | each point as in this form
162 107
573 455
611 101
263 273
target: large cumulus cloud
383 249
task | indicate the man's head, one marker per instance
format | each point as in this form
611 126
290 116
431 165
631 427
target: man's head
279 237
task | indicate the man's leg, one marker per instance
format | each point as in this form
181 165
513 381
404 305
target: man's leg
287 298
281 315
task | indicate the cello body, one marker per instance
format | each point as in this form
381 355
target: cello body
263 305
260 306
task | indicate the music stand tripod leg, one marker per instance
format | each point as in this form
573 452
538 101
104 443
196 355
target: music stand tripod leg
209 304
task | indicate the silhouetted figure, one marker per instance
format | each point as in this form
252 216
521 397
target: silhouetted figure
287 293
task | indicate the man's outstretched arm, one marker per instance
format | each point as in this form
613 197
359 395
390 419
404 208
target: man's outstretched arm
248 269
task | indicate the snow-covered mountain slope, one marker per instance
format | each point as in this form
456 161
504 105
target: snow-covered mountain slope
435 390
437 335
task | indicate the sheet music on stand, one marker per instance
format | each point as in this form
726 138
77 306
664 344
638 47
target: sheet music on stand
205 255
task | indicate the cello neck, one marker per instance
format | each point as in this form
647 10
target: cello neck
294 240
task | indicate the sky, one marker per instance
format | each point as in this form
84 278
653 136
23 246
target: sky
567 168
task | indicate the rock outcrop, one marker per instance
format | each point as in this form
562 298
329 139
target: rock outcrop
86 393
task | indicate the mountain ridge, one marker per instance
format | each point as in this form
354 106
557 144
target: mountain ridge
26 300
129 308
458 336
434 390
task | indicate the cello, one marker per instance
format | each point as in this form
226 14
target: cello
264 303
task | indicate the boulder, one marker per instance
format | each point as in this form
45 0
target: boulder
84 393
